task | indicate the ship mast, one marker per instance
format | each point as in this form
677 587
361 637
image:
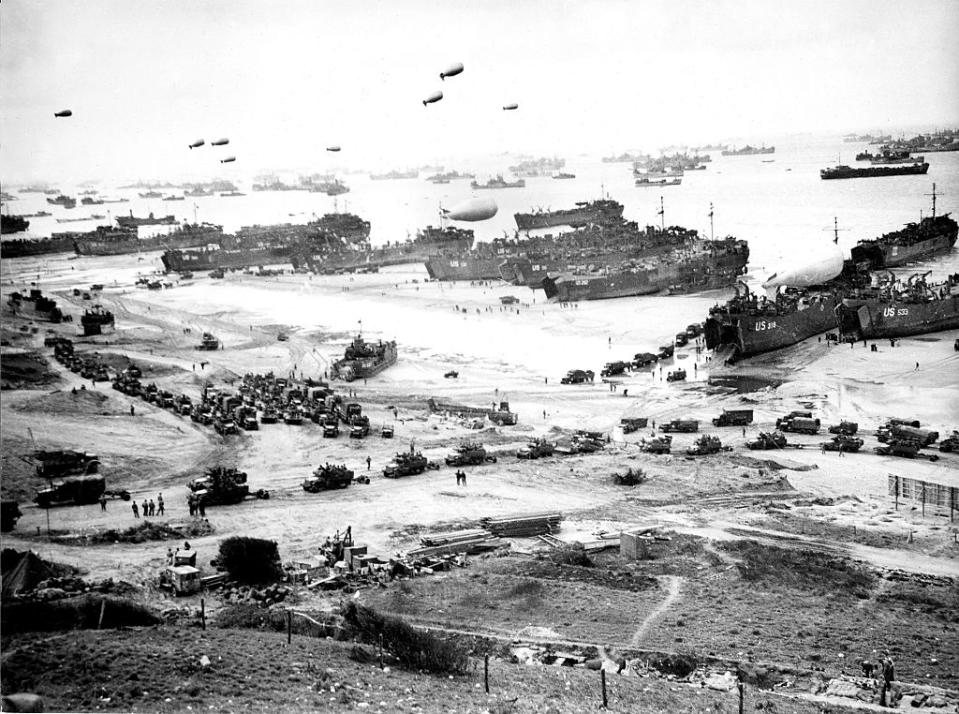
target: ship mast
662 214
933 194
835 230
711 236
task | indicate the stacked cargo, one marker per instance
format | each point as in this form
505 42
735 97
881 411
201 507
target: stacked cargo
533 524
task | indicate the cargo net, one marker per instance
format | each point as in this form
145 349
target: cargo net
936 498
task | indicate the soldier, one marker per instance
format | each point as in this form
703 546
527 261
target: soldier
132 410
368 462
103 503
160 503
144 507
153 507
136 511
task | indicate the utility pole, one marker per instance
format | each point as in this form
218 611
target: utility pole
662 214
711 235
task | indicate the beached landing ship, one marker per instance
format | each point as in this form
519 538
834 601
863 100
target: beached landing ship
13 224
598 212
364 359
931 236
700 265
895 309
123 240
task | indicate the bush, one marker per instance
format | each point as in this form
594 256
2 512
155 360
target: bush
411 647
572 554
250 560
254 617
75 613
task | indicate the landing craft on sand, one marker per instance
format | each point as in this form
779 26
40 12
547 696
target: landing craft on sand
364 359
895 309
197 144
63 113
433 98
228 160
474 209
453 70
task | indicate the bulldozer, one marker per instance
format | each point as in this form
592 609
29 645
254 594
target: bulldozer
657 445
469 454
842 442
535 449
632 477
768 441
328 477
705 445
406 463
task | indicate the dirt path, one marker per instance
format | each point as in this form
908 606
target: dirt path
674 585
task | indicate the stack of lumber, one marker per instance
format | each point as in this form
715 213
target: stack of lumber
467 541
532 524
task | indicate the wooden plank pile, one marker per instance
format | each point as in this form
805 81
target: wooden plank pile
532 524
466 541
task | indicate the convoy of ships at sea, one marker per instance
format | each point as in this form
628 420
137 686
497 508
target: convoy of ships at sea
603 256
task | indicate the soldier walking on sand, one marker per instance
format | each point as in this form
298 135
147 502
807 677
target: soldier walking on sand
136 511
103 503
132 410
368 462
160 504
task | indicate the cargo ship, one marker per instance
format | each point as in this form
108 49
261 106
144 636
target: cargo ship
895 309
599 212
13 224
120 241
330 188
846 172
364 359
64 201
389 175
646 182
449 176
132 221
498 182
931 236
212 257
749 151
90 201
537 167
889 157
700 265
275 184
464 267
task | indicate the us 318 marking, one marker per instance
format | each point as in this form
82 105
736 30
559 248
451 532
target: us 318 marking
763 325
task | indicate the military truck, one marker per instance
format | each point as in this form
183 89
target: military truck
331 428
535 449
245 418
578 376
768 441
502 416
705 445
847 428
734 417
631 424
328 477
181 579
694 330
406 463
270 416
76 490
842 442
657 445
677 375
64 462
225 427
799 423
666 351
469 454
681 339
222 486
359 427
644 359
891 431
682 425
611 369
347 410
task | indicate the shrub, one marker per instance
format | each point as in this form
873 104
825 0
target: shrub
74 613
250 560
413 648
254 617
571 554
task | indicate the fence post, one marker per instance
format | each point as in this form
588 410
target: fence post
381 650
103 609
739 684
602 677
202 613
897 491
486 672
923 499
289 626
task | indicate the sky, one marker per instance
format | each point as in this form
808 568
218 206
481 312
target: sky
284 80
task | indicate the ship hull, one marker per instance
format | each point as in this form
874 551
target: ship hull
876 319
178 262
752 335
18 248
890 256
529 271
442 268
137 245
574 218
847 172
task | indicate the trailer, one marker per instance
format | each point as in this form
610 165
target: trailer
734 417
681 425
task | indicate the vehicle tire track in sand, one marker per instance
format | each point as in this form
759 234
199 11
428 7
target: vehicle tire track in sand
673 590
